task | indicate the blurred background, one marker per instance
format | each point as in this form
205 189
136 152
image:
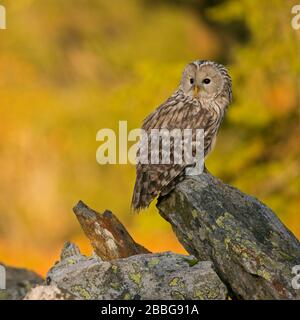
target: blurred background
69 68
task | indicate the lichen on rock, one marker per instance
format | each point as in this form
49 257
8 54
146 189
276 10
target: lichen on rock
145 276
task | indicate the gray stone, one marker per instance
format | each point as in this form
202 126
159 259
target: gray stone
18 282
144 276
252 251
48 293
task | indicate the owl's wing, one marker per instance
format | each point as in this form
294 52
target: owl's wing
177 112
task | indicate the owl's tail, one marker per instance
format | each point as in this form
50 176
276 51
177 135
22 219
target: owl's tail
142 195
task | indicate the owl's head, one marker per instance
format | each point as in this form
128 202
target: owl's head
206 80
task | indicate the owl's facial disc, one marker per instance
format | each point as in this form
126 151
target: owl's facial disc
202 82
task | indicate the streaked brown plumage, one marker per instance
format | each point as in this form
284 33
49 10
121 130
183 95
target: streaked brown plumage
199 103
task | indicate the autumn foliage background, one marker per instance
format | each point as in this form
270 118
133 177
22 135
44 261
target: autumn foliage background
69 68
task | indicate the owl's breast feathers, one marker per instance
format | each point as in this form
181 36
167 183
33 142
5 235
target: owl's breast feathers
178 112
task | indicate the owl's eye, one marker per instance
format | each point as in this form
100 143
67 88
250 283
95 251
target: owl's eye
192 81
206 81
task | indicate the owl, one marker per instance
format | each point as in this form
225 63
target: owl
200 102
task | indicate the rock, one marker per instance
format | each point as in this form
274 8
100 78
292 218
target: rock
48 293
251 250
109 238
18 283
145 276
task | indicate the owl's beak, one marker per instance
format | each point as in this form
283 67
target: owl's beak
196 91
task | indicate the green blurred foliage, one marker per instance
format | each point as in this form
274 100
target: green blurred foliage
69 68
